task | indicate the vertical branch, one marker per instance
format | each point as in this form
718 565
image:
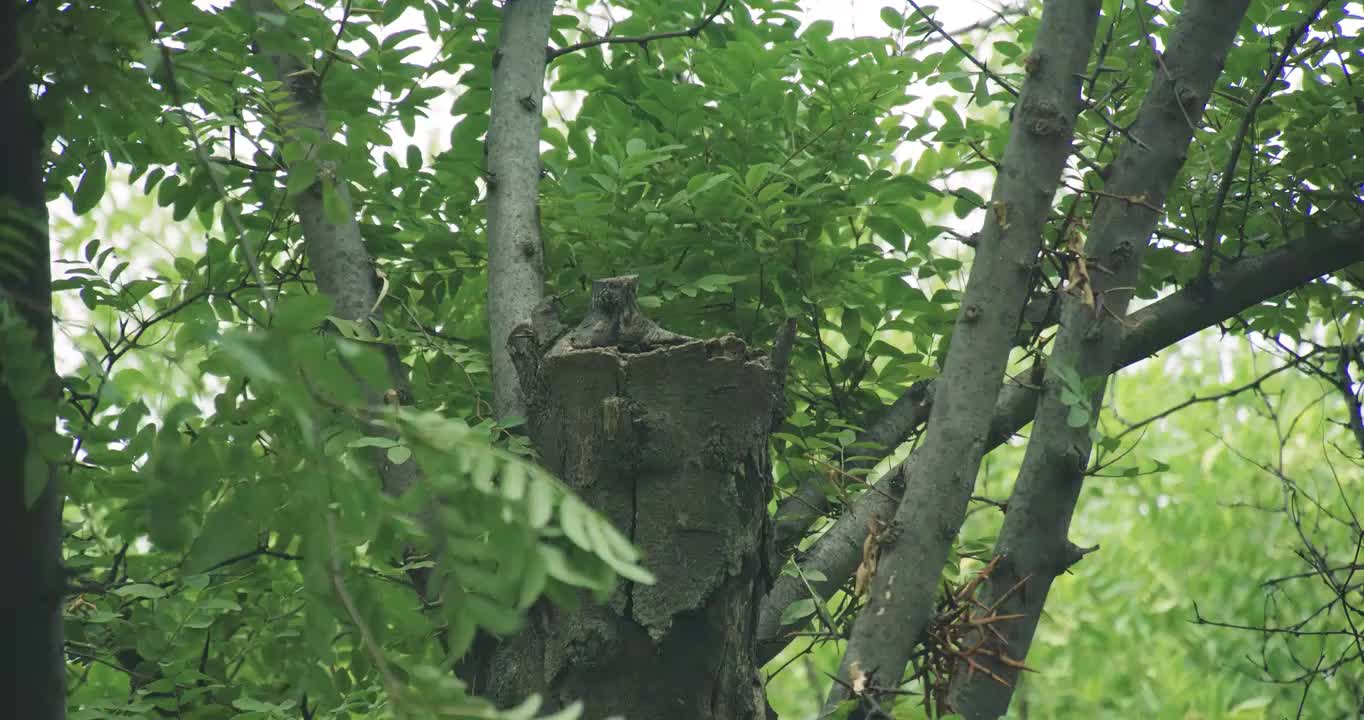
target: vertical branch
901 599
516 271
1354 409
336 251
1033 543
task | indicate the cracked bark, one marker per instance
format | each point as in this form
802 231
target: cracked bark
1150 330
35 673
516 271
1033 542
900 600
667 437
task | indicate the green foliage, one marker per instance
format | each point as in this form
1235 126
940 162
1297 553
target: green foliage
237 555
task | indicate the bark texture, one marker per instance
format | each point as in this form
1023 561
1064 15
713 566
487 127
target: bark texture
1033 543
516 272
31 606
900 601
666 436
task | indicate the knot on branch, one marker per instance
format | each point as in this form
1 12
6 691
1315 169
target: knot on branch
1044 119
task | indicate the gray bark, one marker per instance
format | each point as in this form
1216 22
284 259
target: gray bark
900 601
1033 543
1152 329
34 670
516 272
336 251
667 437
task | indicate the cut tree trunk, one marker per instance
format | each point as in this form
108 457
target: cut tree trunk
667 437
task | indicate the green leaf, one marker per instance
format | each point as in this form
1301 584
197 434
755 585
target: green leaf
302 175
798 610
574 518
301 312
91 187
755 175
141 591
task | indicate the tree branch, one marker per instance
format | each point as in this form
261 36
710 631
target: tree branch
1033 540
1210 240
1152 329
971 58
640 40
336 252
900 602
516 269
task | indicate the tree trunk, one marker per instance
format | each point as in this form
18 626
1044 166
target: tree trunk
900 601
667 437
1033 544
516 268
336 251
32 608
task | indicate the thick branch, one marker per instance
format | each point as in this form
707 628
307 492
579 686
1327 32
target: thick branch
798 511
1033 542
516 271
1152 329
900 601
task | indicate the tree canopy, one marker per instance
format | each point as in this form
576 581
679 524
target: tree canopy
290 240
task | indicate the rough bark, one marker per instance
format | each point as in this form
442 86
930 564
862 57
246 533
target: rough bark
1149 330
900 601
33 669
336 251
516 272
667 437
1033 543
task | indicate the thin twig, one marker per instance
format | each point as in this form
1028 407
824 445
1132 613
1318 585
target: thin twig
948 37
1195 399
391 683
640 40
1210 240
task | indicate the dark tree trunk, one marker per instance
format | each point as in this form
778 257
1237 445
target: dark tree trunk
667 437
31 610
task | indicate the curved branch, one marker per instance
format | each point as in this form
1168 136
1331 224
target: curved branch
641 40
